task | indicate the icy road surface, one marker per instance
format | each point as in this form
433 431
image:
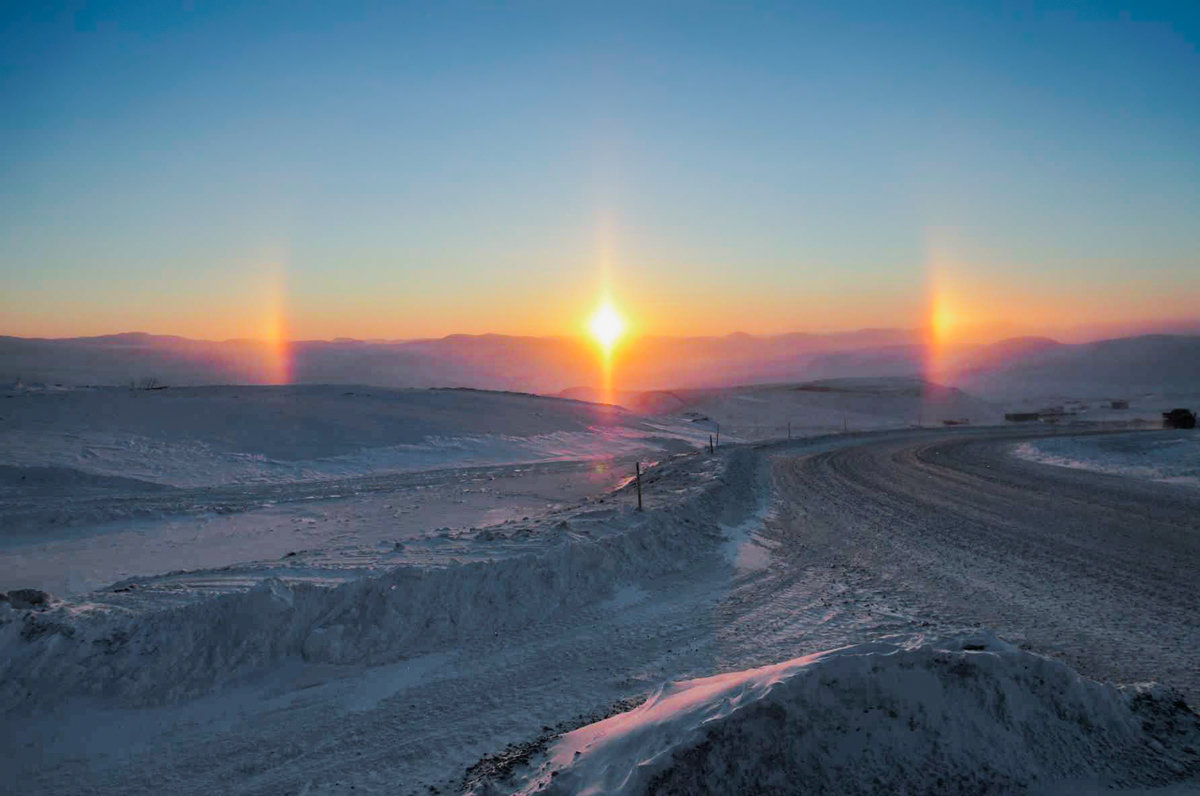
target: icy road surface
752 557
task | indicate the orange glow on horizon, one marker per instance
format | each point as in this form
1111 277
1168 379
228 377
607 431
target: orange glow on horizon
253 304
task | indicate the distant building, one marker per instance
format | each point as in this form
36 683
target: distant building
1021 417
1119 404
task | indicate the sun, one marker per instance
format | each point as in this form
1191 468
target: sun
606 325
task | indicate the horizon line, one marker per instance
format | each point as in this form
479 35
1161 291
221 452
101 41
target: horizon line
1091 333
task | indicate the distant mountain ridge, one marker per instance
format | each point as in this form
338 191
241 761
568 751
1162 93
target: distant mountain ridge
490 361
1159 362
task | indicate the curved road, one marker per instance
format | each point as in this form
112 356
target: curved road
1102 571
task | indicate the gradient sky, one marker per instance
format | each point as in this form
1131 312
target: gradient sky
382 170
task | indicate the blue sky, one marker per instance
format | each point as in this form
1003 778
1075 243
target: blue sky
407 170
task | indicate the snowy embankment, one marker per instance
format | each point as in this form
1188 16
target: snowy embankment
964 715
134 645
1160 456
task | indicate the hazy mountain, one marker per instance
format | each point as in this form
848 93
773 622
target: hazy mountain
1161 364
1158 363
534 364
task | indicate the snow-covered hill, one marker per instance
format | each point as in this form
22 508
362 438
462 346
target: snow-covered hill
1167 365
205 436
820 407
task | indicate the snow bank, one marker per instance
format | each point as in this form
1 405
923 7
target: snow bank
1158 456
146 649
966 715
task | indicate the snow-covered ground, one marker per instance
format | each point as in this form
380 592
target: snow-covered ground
335 613
762 412
99 485
344 525
211 436
1172 455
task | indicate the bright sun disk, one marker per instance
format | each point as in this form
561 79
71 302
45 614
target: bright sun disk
606 325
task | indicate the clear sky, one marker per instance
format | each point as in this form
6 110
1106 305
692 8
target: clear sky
326 169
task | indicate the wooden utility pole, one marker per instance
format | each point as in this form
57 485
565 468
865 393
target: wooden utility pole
718 435
637 471
710 443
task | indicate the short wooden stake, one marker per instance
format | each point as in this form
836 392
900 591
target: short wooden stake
637 470
710 444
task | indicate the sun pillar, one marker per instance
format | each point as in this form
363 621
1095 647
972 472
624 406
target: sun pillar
278 359
606 326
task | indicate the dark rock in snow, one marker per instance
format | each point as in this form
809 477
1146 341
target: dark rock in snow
28 598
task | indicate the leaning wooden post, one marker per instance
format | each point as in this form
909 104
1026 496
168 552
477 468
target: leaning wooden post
710 444
718 435
637 469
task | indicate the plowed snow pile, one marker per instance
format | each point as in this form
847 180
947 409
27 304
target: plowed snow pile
967 715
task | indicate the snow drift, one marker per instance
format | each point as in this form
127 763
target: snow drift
966 715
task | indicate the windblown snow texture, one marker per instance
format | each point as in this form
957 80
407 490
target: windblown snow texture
963 715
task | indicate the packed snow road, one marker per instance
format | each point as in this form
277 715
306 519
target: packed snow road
1098 570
